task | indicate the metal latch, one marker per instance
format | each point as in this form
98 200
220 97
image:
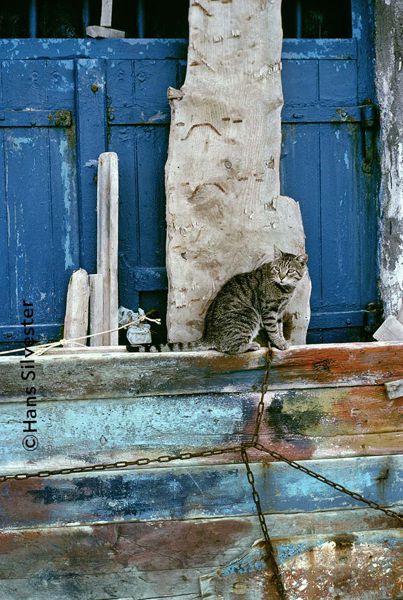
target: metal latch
369 125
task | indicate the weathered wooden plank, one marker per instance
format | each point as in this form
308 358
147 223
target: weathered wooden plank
101 375
107 241
302 424
96 31
113 557
96 308
185 492
106 13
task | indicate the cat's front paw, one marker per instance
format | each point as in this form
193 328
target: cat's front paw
282 345
254 346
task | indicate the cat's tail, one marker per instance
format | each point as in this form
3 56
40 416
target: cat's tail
199 345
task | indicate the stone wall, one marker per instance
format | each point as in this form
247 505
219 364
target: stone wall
389 82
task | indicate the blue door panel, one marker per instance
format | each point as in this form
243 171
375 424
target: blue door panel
337 82
300 178
300 82
39 215
340 227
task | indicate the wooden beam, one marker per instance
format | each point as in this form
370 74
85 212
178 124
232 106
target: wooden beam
92 560
301 424
214 490
96 31
106 13
107 241
125 374
76 318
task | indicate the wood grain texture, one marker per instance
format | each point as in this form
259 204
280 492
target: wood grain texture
110 375
224 209
77 305
96 309
106 13
170 557
302 424
187 492
107 241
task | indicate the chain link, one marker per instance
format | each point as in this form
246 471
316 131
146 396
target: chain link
139 462
270 557
336 486
242 449
263 390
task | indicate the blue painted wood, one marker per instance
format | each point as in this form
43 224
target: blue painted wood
39 192
131 49
188 492
115 91
91 142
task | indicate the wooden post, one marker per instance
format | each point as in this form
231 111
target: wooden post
107 241
76 318
105 30
224 209
96 308
106 13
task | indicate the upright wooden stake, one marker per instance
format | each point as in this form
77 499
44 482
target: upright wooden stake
96 308
105 30
76 318
107 241
106 13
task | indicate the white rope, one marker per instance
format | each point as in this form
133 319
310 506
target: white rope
42 348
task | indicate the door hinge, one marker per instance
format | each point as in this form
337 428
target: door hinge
373 317
369 126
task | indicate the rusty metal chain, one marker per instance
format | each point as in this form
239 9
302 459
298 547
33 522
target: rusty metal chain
216 452
270 557
263 390
336 486
139 462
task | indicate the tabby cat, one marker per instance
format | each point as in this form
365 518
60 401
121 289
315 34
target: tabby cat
248 302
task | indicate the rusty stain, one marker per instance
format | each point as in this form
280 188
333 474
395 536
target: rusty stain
60 118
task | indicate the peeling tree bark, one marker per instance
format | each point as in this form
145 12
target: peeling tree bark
224 209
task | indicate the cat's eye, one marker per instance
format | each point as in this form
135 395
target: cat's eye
292 272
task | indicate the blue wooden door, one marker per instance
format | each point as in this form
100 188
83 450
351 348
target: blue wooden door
328 165
65 101
39 222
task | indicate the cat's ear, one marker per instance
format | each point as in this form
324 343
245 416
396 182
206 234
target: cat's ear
277 253
302 259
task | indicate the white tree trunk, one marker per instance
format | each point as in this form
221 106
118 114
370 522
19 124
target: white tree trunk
224 209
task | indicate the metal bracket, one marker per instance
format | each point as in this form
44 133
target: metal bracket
369 125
